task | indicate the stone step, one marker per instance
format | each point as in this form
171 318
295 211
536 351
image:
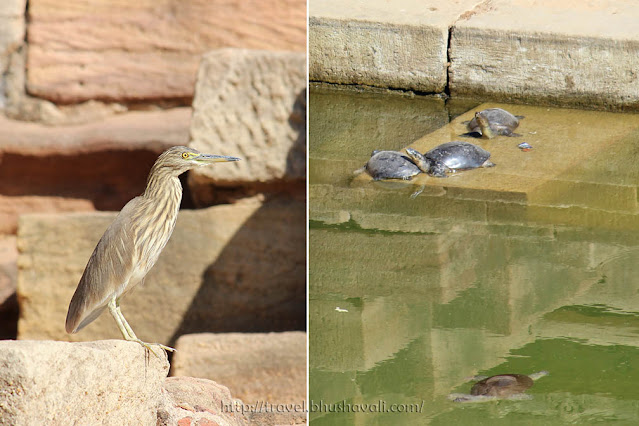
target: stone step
258 368
580 171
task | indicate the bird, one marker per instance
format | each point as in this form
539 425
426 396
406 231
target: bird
133 242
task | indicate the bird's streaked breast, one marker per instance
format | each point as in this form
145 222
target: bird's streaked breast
156 224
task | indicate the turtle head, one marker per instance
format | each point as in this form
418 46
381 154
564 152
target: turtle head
484 125
419 159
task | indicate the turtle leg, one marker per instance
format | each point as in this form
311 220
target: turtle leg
438 169
538 375
417 192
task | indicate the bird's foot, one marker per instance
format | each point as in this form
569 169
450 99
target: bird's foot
166 348
149 346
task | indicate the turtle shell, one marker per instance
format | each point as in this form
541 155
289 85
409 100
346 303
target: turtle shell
458 155
501 121
391 165
502 385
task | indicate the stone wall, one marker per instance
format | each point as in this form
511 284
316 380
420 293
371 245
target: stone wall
90 94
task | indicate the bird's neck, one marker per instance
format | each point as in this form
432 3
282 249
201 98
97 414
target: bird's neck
164 187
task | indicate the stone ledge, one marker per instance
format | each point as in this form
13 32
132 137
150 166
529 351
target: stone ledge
154 131
110 382
257 367
113 382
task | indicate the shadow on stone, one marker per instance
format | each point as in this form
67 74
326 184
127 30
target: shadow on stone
9 313
258 282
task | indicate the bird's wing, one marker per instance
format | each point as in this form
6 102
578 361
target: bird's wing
107 272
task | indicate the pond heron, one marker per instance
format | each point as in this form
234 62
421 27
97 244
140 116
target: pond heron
133 242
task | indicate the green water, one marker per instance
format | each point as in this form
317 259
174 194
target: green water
409 297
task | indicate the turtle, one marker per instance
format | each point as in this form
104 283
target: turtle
493 122
501 386
391 165
450 157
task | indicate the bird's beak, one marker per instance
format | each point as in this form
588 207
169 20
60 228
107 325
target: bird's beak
210 158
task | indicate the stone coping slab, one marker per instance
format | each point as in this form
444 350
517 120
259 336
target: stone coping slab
541 52
584 54
376 43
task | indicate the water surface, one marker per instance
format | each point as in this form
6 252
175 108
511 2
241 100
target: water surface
531 265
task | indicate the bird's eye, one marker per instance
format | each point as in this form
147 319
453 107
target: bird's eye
185 155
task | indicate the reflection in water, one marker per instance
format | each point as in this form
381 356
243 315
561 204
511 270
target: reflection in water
528 266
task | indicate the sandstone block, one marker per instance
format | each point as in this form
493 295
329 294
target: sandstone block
147 49
400 44
234 267
257 367
193 401
11 37
12 18
12 30
58 383
531 51
251 104
13 8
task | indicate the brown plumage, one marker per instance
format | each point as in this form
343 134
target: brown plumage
133 242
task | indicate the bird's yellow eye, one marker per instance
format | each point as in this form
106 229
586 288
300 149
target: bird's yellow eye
185 155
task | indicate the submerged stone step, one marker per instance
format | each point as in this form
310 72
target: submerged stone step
580 160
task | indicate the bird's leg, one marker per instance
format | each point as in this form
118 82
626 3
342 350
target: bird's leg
125 323
127 331
132 335
114 308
